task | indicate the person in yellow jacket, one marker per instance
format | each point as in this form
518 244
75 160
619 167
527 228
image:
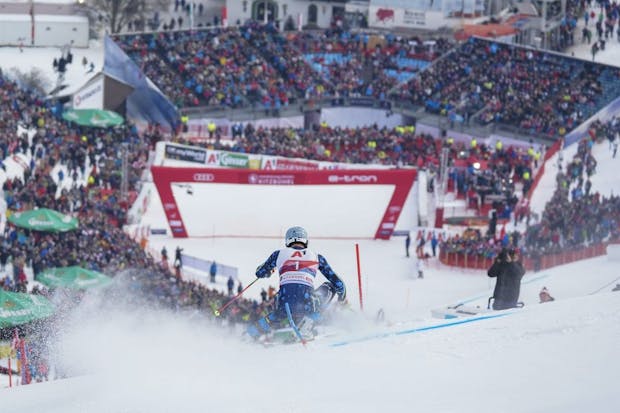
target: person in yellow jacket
211 129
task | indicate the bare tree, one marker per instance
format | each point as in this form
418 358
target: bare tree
34 80
120 14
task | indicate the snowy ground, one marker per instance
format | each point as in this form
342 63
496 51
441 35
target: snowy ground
553 357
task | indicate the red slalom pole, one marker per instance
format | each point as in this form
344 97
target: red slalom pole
218 312
359 275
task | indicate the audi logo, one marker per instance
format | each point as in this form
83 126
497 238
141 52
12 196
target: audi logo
204 177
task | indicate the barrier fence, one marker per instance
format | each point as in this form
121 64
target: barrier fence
477 261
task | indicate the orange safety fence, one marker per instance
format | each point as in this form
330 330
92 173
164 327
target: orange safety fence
476 261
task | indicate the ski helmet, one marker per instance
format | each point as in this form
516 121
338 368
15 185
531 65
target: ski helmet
296 234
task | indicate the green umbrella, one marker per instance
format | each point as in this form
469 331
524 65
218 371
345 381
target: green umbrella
20 308
76 278
93 117
44 219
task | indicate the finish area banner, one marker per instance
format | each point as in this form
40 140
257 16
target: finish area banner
383 192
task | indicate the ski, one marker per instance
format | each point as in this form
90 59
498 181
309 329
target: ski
292 323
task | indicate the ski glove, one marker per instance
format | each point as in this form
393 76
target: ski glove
341 291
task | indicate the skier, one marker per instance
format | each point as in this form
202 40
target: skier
297 266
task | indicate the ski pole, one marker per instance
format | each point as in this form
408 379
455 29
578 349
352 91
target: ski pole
218 312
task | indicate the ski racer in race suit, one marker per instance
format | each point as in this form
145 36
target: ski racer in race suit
297 266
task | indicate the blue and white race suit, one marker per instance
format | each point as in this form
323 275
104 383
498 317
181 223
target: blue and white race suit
298 269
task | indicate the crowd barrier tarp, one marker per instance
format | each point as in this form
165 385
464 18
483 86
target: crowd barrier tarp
146 103
205 266
341 117
395 185
357 117
490 140
197 128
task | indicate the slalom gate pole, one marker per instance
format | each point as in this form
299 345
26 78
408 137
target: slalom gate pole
359 275
218 312
10 373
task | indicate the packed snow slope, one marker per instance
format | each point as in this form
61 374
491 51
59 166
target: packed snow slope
553 357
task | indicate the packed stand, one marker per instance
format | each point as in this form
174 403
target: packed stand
535 91
299 77
234 67
257 64
363 64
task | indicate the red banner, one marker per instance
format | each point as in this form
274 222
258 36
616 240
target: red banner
401 179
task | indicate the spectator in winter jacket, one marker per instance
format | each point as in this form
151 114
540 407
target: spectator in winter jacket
508 270
213 271
434 242
544 296
407 244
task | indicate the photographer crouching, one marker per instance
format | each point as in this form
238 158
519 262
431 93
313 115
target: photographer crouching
508 270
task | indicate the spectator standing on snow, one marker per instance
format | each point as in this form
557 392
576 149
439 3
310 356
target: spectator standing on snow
508 270
407 244
178 257
420 267
420 247
213 271
434 242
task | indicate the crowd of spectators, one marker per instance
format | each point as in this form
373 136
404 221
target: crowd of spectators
536 91
363 64
496 185
256 64
480 173
575 216
91 192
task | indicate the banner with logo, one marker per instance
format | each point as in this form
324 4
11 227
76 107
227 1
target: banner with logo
90 96
185 153
234 160
386 17
278 163
401 180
